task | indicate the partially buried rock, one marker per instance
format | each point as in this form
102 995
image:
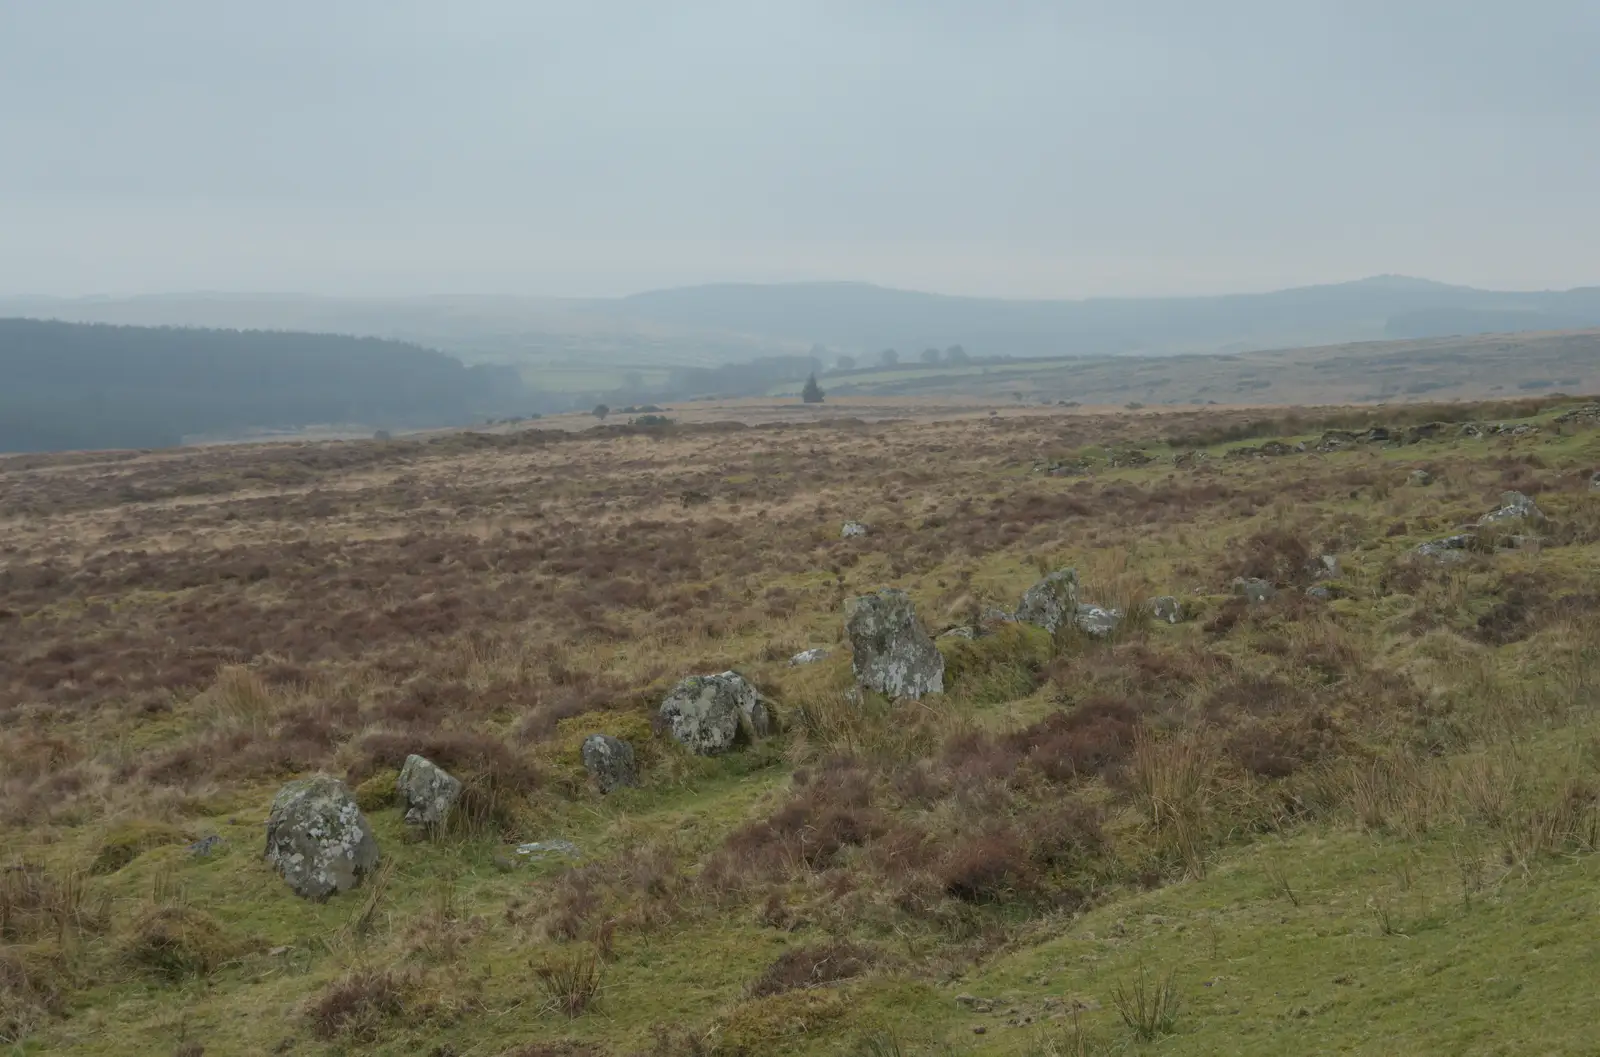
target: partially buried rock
318 839
1420 478
1166 608
852 529
426 791
1514 506
1253 589
1318 592
1096 620
609 761
890 650
804 657
1327 567
1448 549
708 713
1052 602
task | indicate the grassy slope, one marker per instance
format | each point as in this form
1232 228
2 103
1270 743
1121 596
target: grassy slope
1489 951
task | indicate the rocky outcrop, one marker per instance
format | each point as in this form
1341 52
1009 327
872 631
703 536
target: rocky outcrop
609 762
426 791
710 714
318 839
890 650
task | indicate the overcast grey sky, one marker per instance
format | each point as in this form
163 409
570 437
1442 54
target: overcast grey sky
1056 149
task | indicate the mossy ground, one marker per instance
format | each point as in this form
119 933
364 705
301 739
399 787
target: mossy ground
1362 826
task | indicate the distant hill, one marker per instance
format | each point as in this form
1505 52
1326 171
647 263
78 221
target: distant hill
69 386
708 326
862 318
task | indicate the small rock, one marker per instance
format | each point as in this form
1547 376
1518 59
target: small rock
427 792
318 839
811 656
965 632
853 529
1318 592
1166 608
1594 481
609 761
1096 620
1328 567
1448 549
1419 478
890 650
205 846
1253 589
548 849
995 615
709 713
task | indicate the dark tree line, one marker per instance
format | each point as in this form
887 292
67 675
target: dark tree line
68 385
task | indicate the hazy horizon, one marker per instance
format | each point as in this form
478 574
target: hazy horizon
1047 150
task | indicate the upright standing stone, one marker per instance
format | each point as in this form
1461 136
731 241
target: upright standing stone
610 761
890 649
426 791
1051 603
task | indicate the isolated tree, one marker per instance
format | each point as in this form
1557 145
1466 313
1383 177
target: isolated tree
931 355
888 357
812 393
845 363
956 354
600 411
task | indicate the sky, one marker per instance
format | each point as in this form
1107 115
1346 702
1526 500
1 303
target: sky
1030 148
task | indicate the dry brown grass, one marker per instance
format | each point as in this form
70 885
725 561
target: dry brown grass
183 631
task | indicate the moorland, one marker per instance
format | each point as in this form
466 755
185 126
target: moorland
1347 800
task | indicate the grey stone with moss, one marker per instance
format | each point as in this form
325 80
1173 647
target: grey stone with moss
890 650
318 839
1254 589
609 762
707 714
427 792
1052 603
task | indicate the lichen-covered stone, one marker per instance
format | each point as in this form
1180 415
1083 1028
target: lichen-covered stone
891 651
853 530
707 713
804 657
426 791
609 761
318 839
1098 621
1447 549
1514 506
1166 608
1052 602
